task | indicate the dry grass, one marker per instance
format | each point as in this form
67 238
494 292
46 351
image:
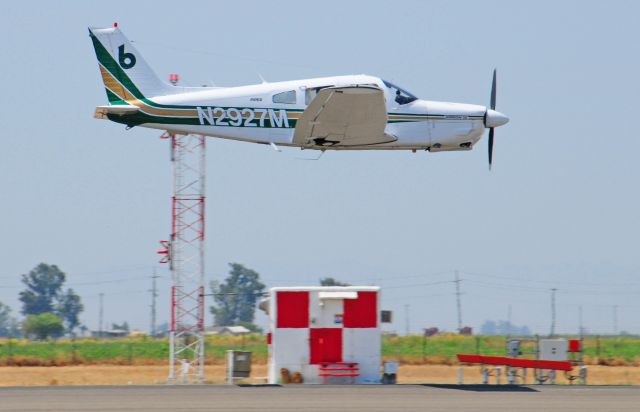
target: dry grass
145 374
102 375
597 375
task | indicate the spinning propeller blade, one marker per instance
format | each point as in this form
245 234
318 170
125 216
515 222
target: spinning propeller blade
492 118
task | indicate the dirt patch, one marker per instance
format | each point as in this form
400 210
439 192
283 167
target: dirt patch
103 375
145 375
596 375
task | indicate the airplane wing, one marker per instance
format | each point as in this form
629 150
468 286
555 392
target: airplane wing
344 116
120 109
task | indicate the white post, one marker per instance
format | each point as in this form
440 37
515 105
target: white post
460 372
485 376
583 375
172 359
229 367
552 377
498 373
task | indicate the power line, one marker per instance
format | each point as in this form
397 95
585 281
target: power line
97 282
418 284
554 282
434 295
123 269
542 289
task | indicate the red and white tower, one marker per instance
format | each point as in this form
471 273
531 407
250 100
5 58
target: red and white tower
185 254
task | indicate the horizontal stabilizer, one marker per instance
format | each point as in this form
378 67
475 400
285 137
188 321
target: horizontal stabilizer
118 109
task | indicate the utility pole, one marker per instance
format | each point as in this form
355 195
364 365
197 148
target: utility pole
100 315
406 320
615 319
458 303
154 295
553 312
509 328
580 325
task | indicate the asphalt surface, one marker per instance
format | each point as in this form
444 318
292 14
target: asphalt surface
321 398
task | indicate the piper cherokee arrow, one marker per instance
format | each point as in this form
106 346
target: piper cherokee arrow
355 112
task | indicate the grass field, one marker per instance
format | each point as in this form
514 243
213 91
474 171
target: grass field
440 349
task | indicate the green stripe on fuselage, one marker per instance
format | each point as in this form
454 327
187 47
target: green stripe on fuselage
140 118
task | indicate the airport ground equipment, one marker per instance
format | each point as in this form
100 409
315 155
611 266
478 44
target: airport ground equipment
390 372
323 332
551 356
238 365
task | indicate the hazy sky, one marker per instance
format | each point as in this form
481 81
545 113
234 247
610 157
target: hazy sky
559 209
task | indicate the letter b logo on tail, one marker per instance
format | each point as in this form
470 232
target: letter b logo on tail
126 60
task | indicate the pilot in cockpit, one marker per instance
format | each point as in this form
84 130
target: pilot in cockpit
400 99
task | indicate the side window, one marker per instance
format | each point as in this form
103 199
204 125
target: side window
311 93
285 97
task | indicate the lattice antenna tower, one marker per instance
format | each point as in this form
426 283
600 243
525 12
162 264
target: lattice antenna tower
185 254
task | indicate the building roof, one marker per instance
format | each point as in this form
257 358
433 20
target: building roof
328 288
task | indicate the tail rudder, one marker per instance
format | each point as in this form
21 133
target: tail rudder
125 74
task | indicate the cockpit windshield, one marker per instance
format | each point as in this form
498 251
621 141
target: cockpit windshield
402 96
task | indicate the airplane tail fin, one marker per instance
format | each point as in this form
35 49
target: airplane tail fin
125 74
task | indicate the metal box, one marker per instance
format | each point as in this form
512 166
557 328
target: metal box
553 349
390 367
389 372
513 348
239 363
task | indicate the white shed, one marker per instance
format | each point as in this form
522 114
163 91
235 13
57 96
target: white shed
324 332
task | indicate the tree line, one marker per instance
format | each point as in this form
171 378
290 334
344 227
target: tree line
50 310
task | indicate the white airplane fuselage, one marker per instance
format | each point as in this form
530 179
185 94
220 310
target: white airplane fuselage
418 125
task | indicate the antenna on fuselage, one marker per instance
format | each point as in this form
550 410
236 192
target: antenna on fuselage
262 80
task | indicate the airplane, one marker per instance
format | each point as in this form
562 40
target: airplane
355 112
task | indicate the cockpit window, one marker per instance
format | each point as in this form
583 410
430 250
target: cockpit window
402 96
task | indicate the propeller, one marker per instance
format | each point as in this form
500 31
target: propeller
493 118
493 107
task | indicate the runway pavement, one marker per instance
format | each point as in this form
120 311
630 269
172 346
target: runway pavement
321 398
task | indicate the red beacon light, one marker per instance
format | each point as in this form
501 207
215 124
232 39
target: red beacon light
173 78
115 24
